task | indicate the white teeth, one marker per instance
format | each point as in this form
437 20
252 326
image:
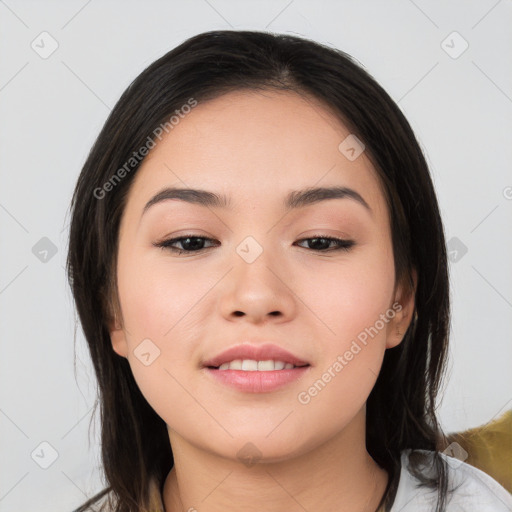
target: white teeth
250 365
235 365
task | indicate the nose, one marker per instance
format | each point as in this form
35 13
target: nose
259 291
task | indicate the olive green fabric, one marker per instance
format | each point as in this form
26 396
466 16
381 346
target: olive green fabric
489 448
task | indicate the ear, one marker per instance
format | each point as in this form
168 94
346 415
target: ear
118 337
403 305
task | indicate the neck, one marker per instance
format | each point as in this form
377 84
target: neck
337 475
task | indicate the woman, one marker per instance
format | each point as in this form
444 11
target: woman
259 266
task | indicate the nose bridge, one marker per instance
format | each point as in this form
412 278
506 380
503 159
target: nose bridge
257 287
257 263
250 250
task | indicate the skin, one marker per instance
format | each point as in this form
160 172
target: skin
255 148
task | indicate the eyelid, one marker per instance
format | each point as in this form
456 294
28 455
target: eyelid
166 241
343 244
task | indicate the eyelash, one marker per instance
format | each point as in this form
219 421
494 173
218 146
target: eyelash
343 245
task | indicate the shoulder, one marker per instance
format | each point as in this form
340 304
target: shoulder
472 489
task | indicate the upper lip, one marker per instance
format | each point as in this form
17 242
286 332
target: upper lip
263 352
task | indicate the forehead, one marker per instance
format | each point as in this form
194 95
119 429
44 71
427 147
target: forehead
256 145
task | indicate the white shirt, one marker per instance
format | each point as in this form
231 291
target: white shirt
478 492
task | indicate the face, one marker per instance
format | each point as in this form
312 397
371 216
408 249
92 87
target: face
257 271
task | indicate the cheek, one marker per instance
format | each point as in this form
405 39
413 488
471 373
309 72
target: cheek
156 298
156 309
350 297
349 304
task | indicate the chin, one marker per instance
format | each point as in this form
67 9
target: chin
257 448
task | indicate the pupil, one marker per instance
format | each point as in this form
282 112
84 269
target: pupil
196 245
315 244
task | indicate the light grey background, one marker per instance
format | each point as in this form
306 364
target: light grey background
52 108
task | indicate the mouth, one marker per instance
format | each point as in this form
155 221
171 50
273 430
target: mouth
251 376
255 368
252 365
249 357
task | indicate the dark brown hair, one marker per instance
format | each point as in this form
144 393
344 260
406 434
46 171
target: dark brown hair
401 407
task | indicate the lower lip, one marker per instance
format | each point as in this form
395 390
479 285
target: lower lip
258 382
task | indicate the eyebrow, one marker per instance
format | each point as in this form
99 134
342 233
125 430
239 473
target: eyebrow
295 199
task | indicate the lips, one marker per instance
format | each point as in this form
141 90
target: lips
263 352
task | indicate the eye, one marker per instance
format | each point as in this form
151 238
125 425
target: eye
321 243
192 243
